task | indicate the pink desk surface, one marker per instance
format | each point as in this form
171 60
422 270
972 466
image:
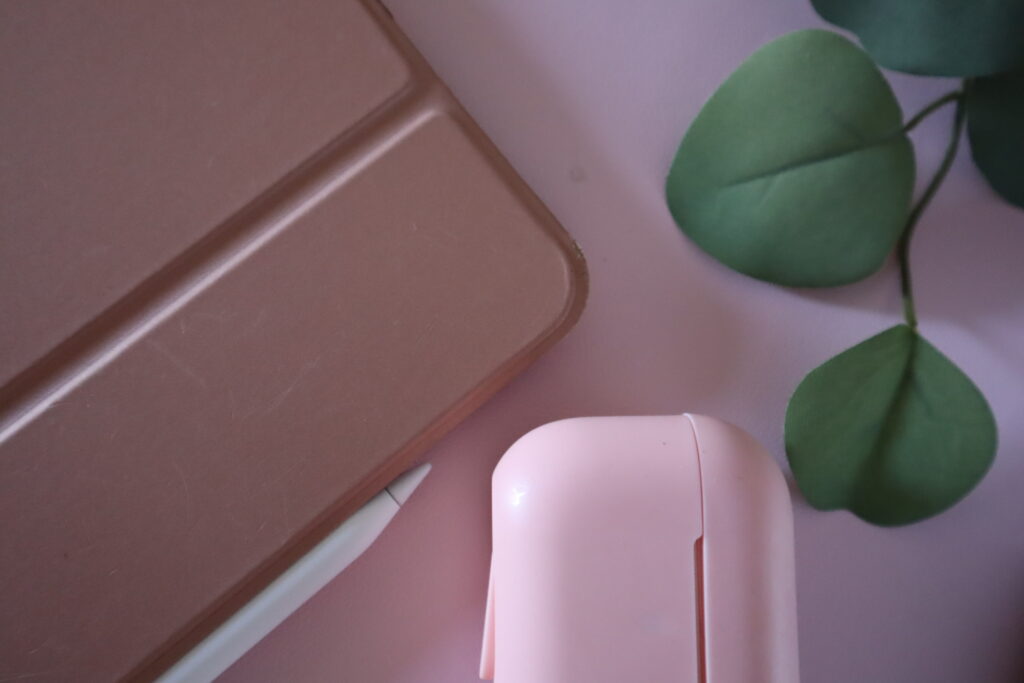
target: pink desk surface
588 99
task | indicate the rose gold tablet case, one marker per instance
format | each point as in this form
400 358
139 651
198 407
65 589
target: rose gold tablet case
253 259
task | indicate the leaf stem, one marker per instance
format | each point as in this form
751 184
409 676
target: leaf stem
926 112
903 247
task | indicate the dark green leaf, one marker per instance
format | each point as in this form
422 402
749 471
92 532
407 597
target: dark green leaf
935 37
995 125
889 429
796 171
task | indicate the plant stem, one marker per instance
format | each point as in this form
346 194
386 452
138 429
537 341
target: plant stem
924 113
903 247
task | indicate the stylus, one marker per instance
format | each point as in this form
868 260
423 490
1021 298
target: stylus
296 585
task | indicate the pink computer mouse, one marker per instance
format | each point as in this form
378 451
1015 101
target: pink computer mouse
640 549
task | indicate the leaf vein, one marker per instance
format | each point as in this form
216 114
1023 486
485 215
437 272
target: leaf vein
811 161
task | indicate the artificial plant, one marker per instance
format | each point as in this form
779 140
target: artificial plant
799 171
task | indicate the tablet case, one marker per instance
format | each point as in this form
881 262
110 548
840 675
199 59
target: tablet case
254 258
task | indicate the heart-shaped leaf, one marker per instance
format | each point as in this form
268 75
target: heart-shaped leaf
995 125
797 170
889 429
935 37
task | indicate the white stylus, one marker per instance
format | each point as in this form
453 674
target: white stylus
296 585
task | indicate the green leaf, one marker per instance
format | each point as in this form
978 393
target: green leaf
797 171
935 37
995 126
889 429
